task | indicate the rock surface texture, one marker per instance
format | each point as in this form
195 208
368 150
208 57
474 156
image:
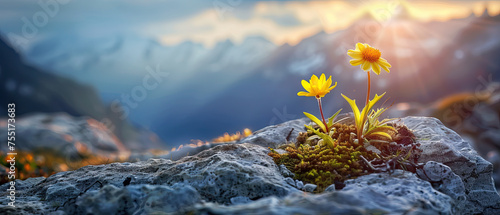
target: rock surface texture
441 144
240 178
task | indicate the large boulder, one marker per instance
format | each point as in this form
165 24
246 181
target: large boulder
137 199
381 193
223 174
241 178
474 115
441 144
63 135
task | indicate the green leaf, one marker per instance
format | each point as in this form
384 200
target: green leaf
326 138
330 120
362 117
316 120
370 104
355 110
381 128
381 133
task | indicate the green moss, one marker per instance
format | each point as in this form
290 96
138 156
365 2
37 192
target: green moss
318 164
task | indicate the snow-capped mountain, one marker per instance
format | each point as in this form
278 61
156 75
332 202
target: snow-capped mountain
253 83
99 61
36 92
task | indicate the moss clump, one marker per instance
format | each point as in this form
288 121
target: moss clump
318 164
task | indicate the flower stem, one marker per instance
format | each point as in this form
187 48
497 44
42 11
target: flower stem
360 130
322 117
368 91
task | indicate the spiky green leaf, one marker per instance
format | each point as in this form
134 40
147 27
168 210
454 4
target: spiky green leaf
381 133
316 120
330 120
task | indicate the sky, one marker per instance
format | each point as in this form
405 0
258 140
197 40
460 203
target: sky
208 22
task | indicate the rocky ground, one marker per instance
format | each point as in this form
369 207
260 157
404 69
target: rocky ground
52 142
240 178
474 115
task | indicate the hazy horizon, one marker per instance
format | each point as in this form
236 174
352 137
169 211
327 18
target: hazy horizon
207 23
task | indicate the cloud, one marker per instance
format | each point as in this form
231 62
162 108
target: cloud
285 20
95 15
205 21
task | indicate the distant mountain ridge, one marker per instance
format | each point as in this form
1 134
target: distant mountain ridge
36 91
231 86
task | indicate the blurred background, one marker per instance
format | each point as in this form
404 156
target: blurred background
101 81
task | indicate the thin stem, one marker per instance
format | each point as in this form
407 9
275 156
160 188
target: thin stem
360 130
322 117
368 90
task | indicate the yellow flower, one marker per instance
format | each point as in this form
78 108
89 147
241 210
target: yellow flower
369 58
317 87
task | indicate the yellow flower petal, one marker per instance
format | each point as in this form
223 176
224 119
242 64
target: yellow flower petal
360 46
302 93
306 85
368 58
314 84
314 80
356 62
322 80
329 82
366 65
385 68
317 87
331 88
376 68
355 54
324 86
384 62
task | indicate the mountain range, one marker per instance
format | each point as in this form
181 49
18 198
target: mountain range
254 83
34 90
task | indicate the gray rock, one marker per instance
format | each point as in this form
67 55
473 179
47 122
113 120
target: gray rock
330 188
218 174
63 134
26 202
285 172
309 188
270 136
401 189
135 199
60 192
299 184
290 181
238 200
183 152
242 179
476 118
276 135
227 171
443 145
381 193
446 182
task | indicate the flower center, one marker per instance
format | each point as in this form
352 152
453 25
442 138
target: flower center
371 54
